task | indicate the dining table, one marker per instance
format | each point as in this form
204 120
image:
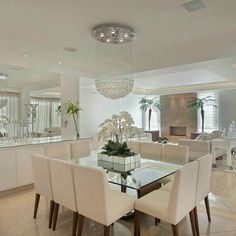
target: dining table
149 176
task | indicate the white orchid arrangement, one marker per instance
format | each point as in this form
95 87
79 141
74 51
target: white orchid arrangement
118 128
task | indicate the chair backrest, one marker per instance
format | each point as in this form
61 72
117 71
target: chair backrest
63 183
42 176
97 144
204 177
60 150
151 150
80 148
176 154
195 145
197 148
182 198
134 145
92 193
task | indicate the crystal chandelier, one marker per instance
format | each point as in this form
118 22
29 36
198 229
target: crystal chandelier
113 56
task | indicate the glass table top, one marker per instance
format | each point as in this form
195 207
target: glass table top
150 171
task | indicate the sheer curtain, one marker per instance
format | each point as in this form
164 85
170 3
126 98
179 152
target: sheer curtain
9 112
47 116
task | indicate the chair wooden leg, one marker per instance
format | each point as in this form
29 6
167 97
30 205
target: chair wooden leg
55 214
175 230
36 205
196 220
107 230
137 223
51 214
74 224
157 221
192 220
80 224
208 208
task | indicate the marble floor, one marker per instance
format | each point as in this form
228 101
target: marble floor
16 215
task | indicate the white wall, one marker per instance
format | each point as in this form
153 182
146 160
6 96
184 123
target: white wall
227 107
97 108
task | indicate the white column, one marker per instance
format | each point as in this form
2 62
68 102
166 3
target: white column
69 92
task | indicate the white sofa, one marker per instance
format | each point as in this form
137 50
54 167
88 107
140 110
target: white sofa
202 145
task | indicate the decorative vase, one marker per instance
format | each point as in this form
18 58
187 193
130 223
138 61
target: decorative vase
119 164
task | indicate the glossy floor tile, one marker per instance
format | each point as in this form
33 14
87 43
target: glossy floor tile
16 216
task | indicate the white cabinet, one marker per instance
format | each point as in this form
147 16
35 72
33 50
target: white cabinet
23 164
7 169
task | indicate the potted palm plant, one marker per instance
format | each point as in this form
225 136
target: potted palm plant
150 105
72 110
196 104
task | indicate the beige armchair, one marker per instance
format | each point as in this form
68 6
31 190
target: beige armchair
151 150
42 184
172 206
80 148
63 190
197 148
177 154
60 150
203 186
96 200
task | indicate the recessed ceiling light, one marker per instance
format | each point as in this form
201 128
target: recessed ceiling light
70 49
25 55
194 5
59 63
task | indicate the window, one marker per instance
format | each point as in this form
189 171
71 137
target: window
155 123
211 113
47 117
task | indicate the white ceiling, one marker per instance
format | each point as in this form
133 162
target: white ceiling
174 48
192 77
167 34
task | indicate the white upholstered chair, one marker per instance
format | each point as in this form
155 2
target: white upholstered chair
134 145
42 183
80 148
96 200
176 154
172 206
197 148
60 150
203 186
151 150
63 190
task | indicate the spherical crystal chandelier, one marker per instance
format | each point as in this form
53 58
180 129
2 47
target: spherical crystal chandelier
113 56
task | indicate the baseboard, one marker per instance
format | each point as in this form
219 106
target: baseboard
16 190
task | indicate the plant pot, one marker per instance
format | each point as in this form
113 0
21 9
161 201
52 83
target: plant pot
119 164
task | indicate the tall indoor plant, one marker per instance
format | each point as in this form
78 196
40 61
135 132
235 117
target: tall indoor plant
196 104
149 104
72 110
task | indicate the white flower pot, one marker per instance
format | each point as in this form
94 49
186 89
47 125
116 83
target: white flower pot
121 164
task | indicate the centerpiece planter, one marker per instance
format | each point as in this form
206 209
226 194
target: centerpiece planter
115 154
119 163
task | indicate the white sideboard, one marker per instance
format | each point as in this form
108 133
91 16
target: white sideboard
15 164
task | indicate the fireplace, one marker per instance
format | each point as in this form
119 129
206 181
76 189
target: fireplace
178 131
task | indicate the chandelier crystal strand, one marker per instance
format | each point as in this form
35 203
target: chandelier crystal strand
113 60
